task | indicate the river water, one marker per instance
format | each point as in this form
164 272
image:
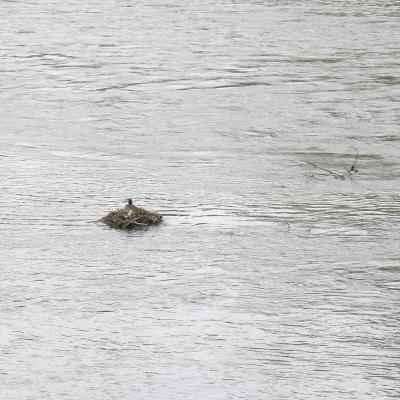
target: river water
266 280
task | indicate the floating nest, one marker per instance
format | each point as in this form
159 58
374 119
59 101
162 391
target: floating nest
138 218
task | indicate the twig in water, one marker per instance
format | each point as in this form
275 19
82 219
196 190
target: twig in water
353 168
338 175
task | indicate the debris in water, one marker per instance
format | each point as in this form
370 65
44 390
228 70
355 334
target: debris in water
348 173
131 217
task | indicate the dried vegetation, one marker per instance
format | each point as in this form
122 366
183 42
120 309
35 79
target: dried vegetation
348 173
138 218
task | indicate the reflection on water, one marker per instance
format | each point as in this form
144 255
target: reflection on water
263 282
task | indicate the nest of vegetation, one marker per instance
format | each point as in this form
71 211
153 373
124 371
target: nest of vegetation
138 218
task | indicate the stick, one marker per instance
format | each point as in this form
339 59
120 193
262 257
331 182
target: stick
335 174
354 165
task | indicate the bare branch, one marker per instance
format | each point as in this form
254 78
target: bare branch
353 168
337 175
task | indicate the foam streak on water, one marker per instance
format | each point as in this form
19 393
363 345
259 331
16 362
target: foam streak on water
264 282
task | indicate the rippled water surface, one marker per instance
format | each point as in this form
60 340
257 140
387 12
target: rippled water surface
266 280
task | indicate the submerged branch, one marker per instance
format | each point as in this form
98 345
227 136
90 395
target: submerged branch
338 175
353 168
335 174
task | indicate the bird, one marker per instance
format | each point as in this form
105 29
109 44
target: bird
129 207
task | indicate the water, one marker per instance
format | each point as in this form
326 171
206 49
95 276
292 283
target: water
264 282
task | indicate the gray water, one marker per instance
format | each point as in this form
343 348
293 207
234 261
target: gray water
266 280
